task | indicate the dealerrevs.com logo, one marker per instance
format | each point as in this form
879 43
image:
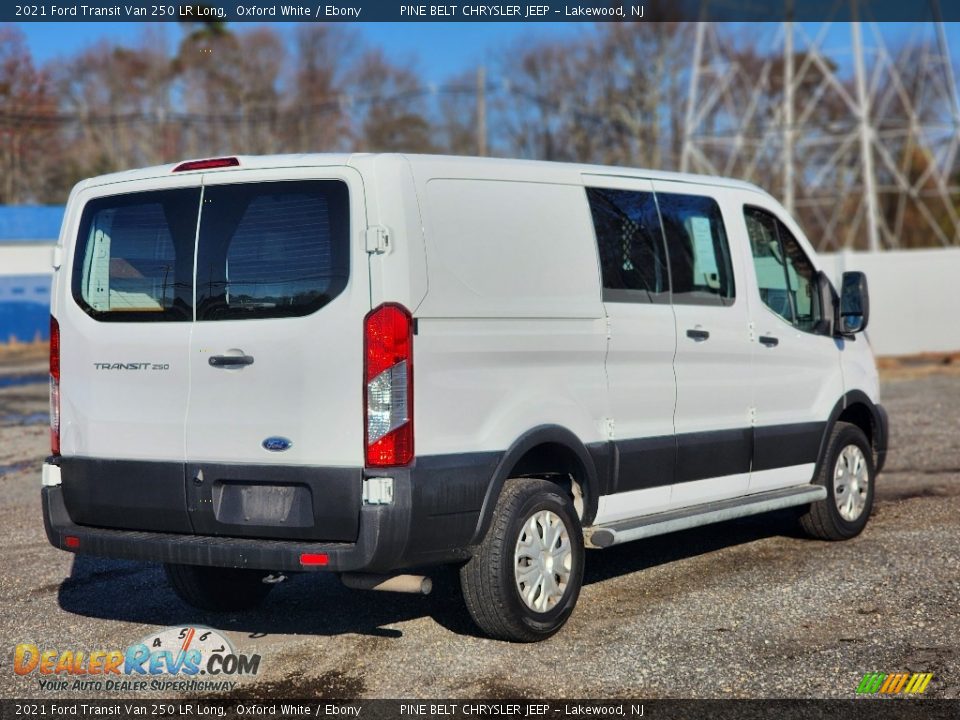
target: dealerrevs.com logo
174 659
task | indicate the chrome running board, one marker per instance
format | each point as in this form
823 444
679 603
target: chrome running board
602 536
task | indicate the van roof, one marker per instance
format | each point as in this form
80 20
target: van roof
527 170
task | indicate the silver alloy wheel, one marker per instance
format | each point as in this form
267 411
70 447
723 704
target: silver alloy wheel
542 561
850 482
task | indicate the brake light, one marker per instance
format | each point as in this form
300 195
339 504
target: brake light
54 386
314 559
208 164
388 386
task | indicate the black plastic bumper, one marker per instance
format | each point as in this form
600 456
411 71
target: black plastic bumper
379 546
433 518
883 436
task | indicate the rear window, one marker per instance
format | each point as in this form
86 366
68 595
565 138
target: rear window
135 256
272 249
265 250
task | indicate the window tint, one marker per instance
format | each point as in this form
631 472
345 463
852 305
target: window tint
700 268
272 249
630 244
785 275
135 256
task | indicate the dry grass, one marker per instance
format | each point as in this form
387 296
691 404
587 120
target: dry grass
16 354
916 366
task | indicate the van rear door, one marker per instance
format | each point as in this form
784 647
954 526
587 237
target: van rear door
125 339
274 436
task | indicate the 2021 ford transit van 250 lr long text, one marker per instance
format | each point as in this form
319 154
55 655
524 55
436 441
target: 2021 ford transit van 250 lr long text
366 364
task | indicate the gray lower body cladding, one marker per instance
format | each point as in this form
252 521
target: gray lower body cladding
267 516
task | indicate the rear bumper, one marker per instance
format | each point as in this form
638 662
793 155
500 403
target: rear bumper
433 518
383 531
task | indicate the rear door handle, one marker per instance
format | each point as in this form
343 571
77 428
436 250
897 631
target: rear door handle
230 360
698 335
768 340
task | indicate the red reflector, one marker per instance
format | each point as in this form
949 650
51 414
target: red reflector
207 164
72 541
314 559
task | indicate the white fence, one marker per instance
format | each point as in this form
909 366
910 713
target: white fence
26 259
913 297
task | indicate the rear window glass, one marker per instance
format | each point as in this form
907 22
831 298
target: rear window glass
272 249
265 250
135 256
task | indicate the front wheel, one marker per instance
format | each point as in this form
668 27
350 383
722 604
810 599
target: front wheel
524 579
848 473
218 589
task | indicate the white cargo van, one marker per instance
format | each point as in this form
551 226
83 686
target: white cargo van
371 364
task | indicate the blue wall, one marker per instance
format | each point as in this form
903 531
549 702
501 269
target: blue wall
24 308
25 299
30 222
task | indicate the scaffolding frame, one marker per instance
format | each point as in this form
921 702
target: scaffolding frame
864 154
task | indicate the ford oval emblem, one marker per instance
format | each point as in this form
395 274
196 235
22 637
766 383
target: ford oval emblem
276 444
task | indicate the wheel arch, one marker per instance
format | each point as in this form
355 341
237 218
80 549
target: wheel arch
550 452
856 408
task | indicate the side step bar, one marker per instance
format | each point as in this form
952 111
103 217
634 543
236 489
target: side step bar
603 536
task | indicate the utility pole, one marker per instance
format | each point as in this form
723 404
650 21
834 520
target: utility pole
482 111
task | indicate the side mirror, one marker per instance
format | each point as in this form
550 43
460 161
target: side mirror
828 304
854 303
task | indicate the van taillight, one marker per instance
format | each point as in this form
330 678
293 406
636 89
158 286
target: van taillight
54 386
388 386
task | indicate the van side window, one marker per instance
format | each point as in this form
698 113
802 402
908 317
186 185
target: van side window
785 275
700 268
630 243
135 256
270 250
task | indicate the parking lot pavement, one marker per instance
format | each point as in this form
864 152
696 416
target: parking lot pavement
743 609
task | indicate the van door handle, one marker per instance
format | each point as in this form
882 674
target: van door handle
230 360
698 335
768 340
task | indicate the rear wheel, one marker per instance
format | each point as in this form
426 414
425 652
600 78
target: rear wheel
218 589
849 475
524 579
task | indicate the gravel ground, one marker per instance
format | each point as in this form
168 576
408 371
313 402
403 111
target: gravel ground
742 609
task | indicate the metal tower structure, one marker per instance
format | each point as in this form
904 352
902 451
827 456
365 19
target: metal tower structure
855 126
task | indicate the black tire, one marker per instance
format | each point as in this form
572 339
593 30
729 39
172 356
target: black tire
218 589
823 520
490 587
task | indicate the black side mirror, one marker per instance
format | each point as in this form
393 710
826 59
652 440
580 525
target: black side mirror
828 305
854 303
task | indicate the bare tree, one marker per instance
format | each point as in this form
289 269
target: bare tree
28 146
390 105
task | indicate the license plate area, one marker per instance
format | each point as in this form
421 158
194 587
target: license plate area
273 501
266 504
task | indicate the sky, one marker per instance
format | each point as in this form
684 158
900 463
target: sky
439 49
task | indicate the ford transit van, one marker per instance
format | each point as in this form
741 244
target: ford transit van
369 365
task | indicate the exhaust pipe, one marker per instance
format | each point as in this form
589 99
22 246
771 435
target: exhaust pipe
416 584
